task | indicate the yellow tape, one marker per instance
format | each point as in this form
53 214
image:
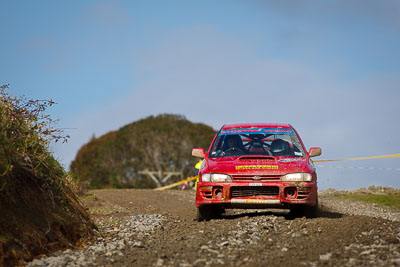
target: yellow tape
357 167
373 157
175 184
273 167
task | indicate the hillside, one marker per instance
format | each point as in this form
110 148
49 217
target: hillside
39 211
162 143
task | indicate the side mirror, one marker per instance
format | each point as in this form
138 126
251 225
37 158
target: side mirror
198 152
314 151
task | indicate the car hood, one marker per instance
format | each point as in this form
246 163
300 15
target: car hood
258 165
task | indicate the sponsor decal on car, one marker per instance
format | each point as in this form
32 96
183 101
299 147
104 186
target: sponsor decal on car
257 167
257 131
256 201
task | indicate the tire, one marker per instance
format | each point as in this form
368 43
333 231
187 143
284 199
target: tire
298 211
204 213
311 211
218 211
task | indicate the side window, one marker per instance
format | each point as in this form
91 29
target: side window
297 147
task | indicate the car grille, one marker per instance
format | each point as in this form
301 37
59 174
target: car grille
249 191
261 178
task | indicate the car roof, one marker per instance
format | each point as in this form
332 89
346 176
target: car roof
256 125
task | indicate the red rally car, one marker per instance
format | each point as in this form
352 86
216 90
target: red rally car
256 166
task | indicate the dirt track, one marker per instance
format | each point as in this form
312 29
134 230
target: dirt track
241 237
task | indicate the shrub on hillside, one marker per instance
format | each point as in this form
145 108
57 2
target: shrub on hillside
25 132
162 143
39 212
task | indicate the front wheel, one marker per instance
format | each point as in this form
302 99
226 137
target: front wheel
297 211
204 213
311 211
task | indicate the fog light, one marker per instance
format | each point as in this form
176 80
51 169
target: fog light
218 192
291 192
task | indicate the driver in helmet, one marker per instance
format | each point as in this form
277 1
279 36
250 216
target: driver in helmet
280 147
233 144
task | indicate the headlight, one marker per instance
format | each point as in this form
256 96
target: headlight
206 177
297 177
216 177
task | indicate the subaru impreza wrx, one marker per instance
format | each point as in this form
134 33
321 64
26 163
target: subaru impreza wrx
256 166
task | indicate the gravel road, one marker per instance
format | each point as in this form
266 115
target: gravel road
157 228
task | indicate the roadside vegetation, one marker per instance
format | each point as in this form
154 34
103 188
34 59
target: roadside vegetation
385 196
160 144
390 201
39 211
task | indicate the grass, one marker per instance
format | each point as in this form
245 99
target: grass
391 201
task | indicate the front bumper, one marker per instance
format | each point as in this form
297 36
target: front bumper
256 194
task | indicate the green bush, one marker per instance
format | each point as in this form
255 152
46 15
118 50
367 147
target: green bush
162 143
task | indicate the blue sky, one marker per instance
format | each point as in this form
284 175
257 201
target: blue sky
330 68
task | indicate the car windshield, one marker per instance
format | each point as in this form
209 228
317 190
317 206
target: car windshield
260 141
